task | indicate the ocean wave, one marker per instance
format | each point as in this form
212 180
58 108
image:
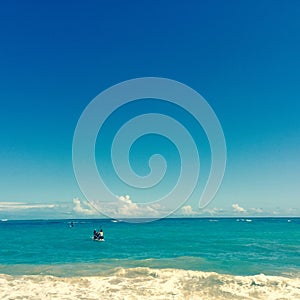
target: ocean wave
146 283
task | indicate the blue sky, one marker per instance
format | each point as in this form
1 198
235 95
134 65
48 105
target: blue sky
242 56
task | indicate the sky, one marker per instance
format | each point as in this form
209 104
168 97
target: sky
241 56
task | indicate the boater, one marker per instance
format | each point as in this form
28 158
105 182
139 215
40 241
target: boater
101 235
95 234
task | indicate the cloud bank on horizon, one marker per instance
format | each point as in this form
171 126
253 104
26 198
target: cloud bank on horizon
9 206
125 207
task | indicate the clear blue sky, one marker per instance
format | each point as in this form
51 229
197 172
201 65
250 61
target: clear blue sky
242 56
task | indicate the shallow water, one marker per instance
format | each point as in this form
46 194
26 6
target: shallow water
167 259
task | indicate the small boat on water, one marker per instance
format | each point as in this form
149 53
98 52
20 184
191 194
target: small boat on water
98 236
98 240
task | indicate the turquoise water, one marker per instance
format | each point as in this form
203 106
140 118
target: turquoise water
228 246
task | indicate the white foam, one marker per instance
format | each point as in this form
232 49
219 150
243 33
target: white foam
146 283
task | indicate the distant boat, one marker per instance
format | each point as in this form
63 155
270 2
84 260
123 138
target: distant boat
243 220
4 220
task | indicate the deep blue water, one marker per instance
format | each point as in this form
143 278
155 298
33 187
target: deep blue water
264 245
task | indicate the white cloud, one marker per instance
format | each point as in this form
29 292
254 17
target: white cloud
6 206
80 209
257 210
124 207
214 211
238 208
127 208
188 210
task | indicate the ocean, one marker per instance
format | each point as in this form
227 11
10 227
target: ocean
196 258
